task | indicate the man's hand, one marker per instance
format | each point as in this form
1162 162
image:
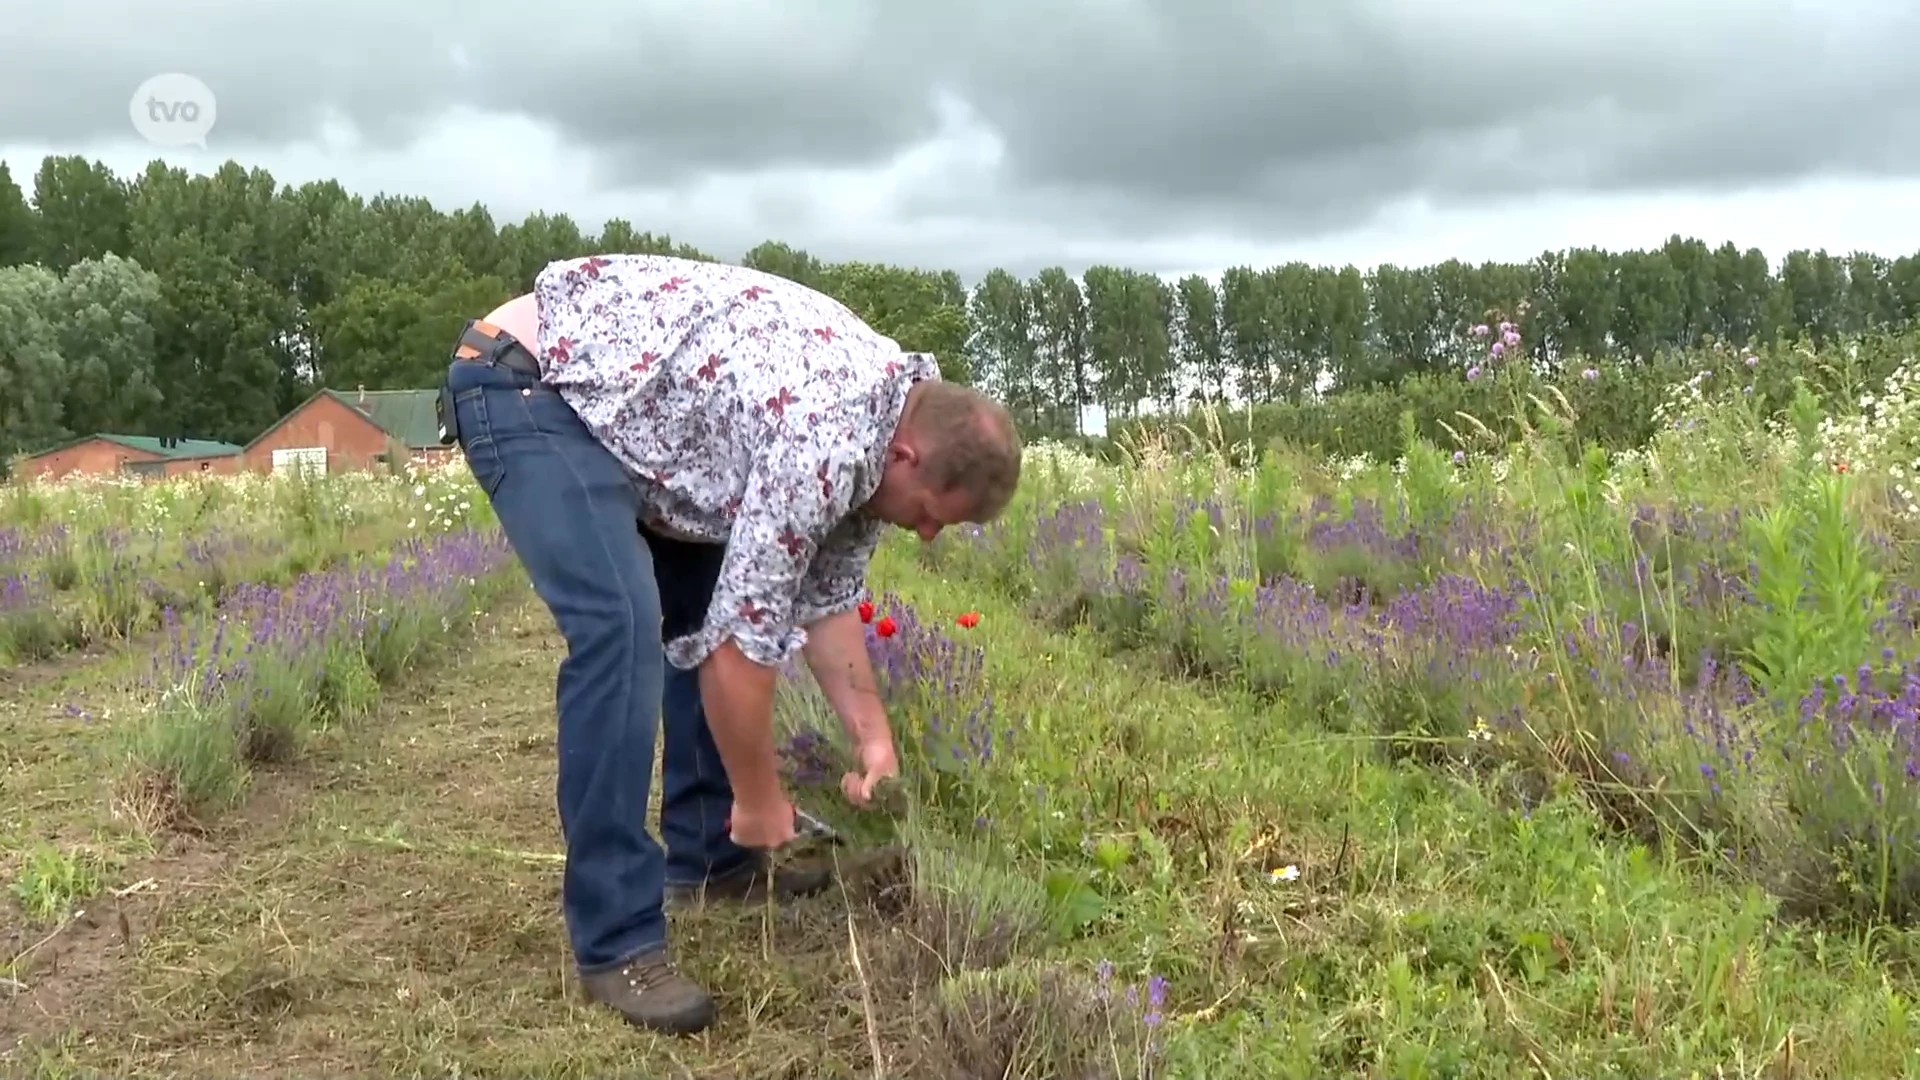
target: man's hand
763 829
877 763
836 650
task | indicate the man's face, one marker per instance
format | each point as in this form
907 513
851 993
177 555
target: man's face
906 499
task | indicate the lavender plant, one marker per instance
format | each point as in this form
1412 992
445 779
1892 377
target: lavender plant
274 665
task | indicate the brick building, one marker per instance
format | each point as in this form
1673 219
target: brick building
143 455
335 431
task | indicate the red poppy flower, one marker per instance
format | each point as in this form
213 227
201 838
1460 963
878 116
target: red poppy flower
970 620
884 627
866 611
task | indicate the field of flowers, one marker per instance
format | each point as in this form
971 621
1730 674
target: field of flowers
1489 761
1733 673
266 607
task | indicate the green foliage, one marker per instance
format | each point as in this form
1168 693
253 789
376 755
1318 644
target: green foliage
1815 579
388 334
54 881
33 412
266 292
924 312
1616 409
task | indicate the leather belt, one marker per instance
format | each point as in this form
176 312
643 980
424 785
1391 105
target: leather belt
484 343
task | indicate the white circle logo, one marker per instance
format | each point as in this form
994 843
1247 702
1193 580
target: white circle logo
173 110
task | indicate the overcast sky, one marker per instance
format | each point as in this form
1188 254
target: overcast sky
1166 135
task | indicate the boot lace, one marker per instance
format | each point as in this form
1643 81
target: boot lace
643 976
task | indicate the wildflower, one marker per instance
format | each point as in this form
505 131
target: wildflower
1459 457
1510 338
1753 361
1498 348
969 620
885 627
866 611
1590 374
1480 331
1473 373
1156 999
1481 732
1279 874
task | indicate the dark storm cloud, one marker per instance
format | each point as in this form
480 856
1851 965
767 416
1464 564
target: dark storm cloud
1326 105
733 84
1308 113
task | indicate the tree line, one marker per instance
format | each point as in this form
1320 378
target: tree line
207 306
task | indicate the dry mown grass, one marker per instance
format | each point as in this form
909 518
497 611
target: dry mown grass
390 907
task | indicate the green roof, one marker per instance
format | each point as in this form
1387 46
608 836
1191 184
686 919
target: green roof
175 449
406 415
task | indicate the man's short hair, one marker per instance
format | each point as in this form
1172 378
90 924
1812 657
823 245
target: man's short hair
968 443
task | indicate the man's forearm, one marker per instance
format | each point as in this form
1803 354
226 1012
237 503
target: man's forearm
836 651
738 697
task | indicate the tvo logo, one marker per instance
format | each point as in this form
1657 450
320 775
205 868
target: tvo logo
173 110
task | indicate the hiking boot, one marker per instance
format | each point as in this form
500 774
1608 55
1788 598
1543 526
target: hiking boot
649 993
750 883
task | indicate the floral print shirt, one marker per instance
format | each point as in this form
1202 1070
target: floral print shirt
752 411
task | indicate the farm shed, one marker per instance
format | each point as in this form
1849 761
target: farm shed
333 431
144 455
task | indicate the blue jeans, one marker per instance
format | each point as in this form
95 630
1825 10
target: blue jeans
572 514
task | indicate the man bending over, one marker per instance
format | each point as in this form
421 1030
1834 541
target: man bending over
694 462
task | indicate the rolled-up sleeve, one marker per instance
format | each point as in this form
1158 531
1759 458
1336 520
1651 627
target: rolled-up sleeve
792 511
